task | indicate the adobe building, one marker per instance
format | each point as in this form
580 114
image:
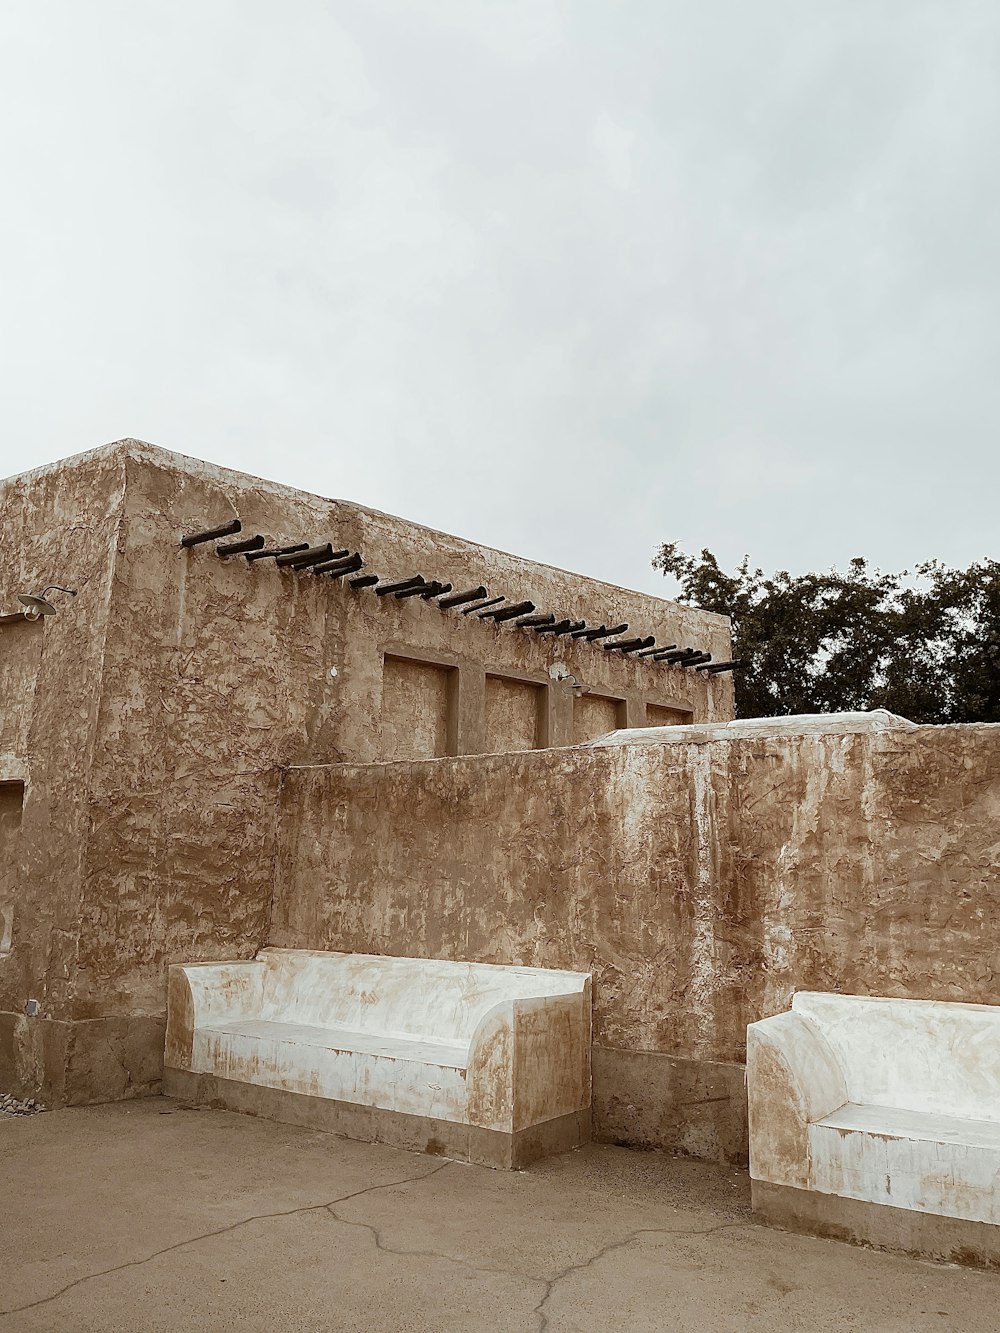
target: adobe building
145 728
202 754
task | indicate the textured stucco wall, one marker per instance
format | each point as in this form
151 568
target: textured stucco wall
154 712
702 883
216 673
60 526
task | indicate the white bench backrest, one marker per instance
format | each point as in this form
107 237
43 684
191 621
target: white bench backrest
415 997
917 1055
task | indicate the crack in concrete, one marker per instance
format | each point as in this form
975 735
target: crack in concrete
548 1283
610 1247
380 1244
330 1206
220 1231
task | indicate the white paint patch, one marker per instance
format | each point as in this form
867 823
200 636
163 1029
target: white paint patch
703 942
804 724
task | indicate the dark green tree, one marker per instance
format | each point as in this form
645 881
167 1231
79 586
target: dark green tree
925 645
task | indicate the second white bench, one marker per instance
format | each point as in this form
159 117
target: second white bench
879 1120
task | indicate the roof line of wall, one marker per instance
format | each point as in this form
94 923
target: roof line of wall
142 451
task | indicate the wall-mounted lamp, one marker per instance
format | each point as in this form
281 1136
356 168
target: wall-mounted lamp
560 673
35 604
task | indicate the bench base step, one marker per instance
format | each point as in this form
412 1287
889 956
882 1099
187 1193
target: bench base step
877 1225
370 1124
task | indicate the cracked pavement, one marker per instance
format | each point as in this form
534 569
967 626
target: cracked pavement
151 1216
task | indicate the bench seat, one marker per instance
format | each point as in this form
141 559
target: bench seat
400 1074
926 1162
918 1126
491 1062
452 1054
879 1119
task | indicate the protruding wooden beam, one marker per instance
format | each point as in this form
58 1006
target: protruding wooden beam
560 627
275 551
510 612
681 656
350 566
481 606
420 590
212 534
602 632
506 612
397 585
460 598
238 548
345 563
628 645
312 555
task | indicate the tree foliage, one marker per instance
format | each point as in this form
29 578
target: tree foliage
925 645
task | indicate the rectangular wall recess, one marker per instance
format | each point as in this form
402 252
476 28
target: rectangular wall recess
418 707
515 714
11 806
595 715
660 715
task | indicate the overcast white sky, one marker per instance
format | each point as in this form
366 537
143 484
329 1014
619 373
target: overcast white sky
567 278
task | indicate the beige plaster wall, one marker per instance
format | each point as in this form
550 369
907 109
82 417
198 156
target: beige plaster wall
416 704
595 715
702 883
164 701
216 673
515 715
58 526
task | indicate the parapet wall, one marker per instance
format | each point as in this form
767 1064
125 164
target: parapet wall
703 879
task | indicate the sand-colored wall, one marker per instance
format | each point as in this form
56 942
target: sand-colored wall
155 712
218 672
60 526
702 883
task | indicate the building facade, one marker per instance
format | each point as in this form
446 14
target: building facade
146 726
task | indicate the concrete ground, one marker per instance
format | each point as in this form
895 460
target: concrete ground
149 1216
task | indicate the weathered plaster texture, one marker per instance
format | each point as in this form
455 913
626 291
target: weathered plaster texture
51 531
501 1049
702 882
149 719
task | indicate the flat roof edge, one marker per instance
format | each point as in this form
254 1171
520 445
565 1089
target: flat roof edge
143 451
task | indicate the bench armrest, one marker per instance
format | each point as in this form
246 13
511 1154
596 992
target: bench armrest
200 994
529 1061
793 1080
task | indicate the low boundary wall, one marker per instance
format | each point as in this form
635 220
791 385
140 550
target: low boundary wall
702 881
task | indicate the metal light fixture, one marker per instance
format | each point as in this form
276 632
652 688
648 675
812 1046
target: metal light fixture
35 604
560 673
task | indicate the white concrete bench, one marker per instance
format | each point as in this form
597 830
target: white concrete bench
879 1120
482 1063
